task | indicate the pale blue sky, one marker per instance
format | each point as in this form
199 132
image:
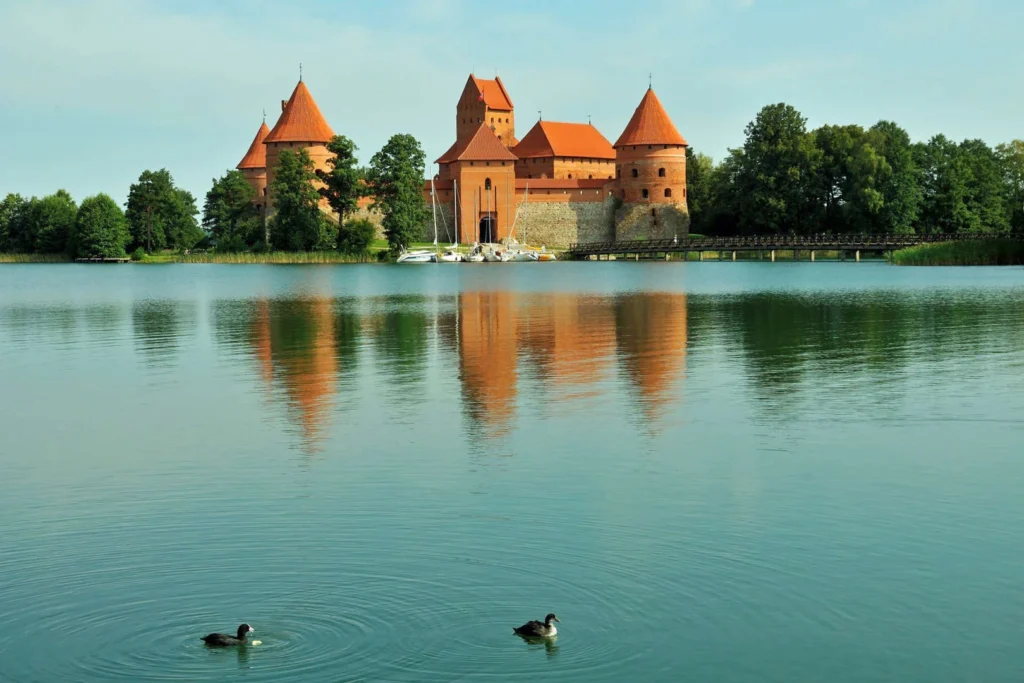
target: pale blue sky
94 91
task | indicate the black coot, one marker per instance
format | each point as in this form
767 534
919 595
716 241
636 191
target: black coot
221 640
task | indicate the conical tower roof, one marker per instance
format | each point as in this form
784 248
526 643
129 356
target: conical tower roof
650 125
301 120
256 157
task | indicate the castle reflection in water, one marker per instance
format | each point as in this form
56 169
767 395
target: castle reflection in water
308 351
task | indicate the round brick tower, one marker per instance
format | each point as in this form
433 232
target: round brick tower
254 167
301 126
650 172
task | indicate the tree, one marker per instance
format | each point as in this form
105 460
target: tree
1011 158
183 231
699 168
101 229
900 188
161 216
396 176
12 211
848 175
986 190
776 174
342 184
298 223
53 219
355 236
963 187
229 213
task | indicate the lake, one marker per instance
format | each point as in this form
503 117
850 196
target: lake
710 471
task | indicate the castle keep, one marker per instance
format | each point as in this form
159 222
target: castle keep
561 183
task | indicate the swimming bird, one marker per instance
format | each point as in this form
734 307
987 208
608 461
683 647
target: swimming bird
221 640
537 629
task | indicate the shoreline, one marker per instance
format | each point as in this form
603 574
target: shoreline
981 252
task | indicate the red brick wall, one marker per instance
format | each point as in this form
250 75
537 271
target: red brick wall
647 161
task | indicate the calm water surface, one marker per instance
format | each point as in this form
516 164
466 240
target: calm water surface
727 472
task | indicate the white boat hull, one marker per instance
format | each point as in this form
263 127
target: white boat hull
418 257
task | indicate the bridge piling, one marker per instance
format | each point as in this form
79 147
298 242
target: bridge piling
773 256
857 255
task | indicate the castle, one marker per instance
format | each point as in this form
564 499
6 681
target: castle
561 183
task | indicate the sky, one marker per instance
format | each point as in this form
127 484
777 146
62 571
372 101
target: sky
93 92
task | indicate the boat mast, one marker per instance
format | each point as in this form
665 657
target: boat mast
455 220
433 210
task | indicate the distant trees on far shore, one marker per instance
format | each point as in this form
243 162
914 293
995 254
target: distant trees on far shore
848 179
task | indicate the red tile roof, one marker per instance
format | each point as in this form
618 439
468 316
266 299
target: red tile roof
301 120
650 125
554 139
483 145
495 95
256 157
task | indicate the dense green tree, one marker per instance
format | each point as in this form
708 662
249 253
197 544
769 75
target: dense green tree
101 229
963 187
776 177
355 236
849 173
20 223
343 184
229 214
298 223
900 187
160 215
944 178
396 176
699 168
1011 157
53 218
986 189
12 211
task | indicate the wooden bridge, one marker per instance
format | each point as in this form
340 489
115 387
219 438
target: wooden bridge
766 246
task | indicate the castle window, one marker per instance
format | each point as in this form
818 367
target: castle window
654 212
661 173
636 174
570 176
590 177
649 147
645 193
492 120
668 191
487 184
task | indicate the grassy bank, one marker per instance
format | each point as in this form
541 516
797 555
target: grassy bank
34 258
979 253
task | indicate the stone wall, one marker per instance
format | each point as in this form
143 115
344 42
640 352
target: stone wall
645 221
559 224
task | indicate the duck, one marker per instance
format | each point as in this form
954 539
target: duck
537 629
222 640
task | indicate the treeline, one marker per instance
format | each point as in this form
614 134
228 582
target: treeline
848 179
160 216
157 216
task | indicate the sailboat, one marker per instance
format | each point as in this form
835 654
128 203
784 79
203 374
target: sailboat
424 255
514 252
451 254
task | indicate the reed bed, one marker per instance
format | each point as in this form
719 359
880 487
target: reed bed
990 252
34 258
